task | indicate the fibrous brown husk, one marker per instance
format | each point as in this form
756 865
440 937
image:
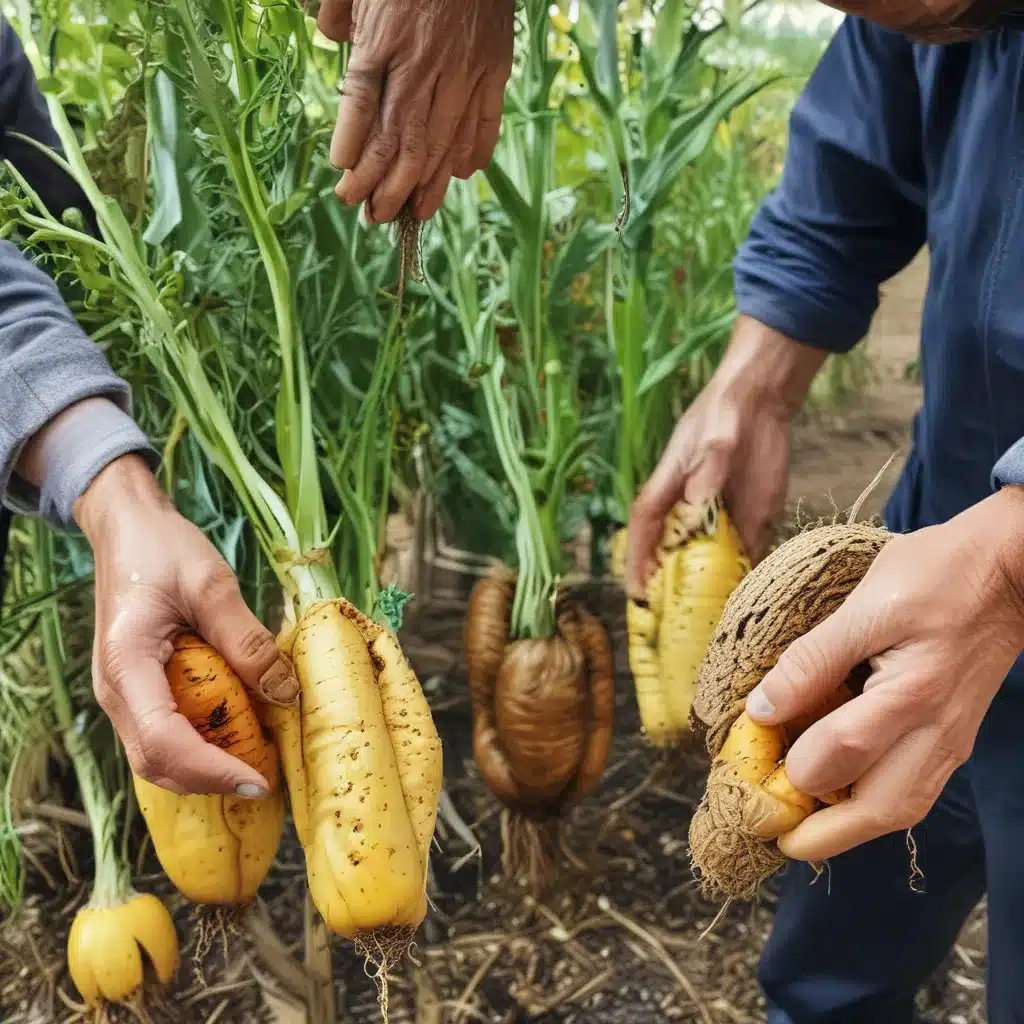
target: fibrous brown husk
795 588
542 716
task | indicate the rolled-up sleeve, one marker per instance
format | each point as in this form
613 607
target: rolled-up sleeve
849 210
47 362
1009 470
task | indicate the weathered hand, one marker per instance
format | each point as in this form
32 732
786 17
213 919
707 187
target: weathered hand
939 618
156 574
734 441
422 98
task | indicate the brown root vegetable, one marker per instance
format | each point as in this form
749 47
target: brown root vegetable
749 802
543 712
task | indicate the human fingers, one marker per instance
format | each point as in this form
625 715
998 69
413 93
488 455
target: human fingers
357 116
819 662
895 794
161 745
335 20
452 95
399 178
391 162
462 151
428 198
492 107
838 749
224 620
665 486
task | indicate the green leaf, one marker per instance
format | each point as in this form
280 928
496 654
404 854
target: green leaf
671 361
688 137
391 602
575 258
512 202
162 112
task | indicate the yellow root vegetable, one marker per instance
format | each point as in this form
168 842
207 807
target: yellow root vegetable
749 802
110 944
363 764
543 712
700 563
216 849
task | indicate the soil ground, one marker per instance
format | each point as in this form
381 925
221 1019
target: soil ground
624 936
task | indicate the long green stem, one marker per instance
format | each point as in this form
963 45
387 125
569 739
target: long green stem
112 882
295 439
177 361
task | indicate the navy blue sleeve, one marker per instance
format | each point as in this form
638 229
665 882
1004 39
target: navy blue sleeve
23 112
849 211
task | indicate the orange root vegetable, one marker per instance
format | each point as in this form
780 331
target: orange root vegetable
216 849
215 701
749 801
543 711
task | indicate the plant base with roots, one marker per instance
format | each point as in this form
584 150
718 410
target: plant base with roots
382 950
543 711
530 848
213 924
733 861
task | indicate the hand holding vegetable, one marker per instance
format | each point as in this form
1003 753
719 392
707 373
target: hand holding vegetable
157 575
732 442
422 98
939 617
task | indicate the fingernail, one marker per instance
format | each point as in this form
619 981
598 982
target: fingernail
278 685
251 791
759 706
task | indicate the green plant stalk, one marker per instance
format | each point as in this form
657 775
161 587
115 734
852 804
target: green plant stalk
179 367
295 439
533 604
112 881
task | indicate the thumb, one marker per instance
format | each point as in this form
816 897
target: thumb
161 745
813 667
225 621
166 750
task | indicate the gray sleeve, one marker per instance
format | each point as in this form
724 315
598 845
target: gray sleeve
48 363
1009 470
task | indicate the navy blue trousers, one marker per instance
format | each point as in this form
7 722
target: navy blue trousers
856 945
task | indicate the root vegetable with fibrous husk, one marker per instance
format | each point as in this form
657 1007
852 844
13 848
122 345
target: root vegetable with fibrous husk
700 563
543 710
749 802
216 849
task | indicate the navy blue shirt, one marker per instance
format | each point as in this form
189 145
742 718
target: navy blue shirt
892 145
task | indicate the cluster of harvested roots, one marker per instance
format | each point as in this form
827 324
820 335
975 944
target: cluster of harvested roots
542 717
749 802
